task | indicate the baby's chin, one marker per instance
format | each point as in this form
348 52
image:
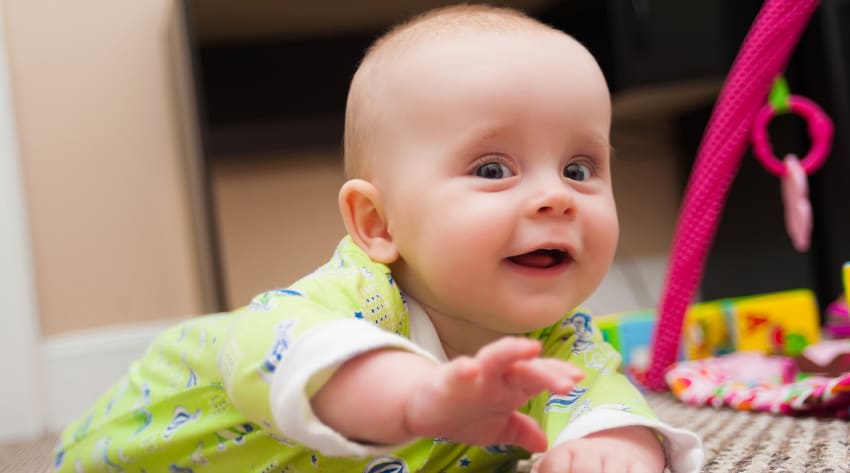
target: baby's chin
510 313
529 320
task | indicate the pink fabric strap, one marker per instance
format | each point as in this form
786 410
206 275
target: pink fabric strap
762 57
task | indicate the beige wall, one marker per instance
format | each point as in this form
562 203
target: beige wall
277 218
100 153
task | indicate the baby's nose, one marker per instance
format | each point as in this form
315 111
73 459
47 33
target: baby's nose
555 201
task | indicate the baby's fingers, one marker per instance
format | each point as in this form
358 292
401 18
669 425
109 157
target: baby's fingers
555 460
501 354
562 459
533 376
523 431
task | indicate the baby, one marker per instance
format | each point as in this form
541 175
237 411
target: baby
443 334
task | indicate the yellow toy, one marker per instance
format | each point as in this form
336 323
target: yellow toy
847 282
776 323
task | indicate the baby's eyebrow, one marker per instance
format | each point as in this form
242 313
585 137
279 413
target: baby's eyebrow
483 134
601 142
487 132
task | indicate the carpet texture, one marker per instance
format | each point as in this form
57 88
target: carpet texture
737 441
734 441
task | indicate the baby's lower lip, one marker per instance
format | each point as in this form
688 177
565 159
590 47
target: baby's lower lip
540 259
547 270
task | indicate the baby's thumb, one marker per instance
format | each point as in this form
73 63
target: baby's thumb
523 431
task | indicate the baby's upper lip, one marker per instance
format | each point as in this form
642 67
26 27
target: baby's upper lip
561 247
543 257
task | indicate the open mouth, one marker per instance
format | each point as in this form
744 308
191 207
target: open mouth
542 259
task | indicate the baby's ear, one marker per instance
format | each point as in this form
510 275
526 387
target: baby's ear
363 214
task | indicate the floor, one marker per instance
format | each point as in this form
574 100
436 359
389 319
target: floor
27 457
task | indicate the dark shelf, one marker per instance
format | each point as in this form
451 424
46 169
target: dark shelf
270 94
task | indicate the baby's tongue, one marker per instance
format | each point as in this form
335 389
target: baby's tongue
536 259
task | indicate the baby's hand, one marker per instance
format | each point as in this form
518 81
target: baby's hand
473 400
633 449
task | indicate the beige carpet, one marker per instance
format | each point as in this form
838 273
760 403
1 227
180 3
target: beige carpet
734 442
27 457
737 441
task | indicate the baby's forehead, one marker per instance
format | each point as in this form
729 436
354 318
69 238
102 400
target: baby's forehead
420 56
432 56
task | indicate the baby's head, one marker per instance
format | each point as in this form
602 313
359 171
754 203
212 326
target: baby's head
477 152
363 118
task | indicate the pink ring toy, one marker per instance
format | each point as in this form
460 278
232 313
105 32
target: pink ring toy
820 132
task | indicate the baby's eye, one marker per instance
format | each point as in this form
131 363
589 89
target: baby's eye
493 170
577 172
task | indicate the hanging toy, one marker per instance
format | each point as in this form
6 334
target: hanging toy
793 172
763 56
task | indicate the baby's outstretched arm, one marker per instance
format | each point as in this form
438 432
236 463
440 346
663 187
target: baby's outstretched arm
392 396
633 449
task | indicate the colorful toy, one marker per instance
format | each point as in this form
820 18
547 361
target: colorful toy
630 333
752 381
847 281
708 330
780 323
827 358
837 313
793 172
763 56
837 319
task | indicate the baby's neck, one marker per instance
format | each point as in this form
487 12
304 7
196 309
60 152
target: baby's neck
458 336
451 352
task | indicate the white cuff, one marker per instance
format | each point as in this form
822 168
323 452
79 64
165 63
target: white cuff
682 448
310 362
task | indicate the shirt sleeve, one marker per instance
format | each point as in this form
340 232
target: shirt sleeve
605 398
309 364
287 343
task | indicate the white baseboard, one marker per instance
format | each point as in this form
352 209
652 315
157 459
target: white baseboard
79 366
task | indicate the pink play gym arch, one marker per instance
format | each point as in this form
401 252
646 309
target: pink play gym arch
763 56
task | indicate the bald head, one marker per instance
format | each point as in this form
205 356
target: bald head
363 110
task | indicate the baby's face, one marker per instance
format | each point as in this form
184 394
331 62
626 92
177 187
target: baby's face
495 172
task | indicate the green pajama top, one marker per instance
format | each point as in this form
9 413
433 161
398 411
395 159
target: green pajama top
230 392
